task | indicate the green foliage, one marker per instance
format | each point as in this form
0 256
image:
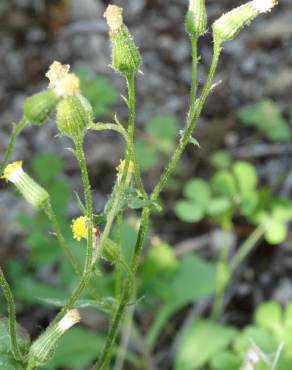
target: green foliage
267 118
233 190
209 339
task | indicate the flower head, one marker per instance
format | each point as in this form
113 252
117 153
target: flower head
13 172
71 318
79 228
114 17
61 81
263 6
31 191
120 168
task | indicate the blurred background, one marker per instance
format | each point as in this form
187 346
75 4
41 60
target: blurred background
244 134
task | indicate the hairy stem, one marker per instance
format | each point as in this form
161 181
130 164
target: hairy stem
109 126
12 316
131 129
16 131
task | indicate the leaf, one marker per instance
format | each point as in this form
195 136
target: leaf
199 191
200 342
8 363
246 177
221 160
223 183
269 316
47 166
282 209
77 349
218 206
263 338
5 344
225 360
267 118
194 279
106 305
276 232
194 142
189 211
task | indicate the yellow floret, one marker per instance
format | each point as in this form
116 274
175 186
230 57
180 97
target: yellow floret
11 169
79 228
121 166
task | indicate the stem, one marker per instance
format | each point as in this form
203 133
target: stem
16 131
12 316
53 218
221 283
194 85
132 103
191 124
246 247
89 251
109 126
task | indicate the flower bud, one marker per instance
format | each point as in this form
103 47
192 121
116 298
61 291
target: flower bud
74 115
111 251
43 348
126 58
230 24
31 191
196 18
38 107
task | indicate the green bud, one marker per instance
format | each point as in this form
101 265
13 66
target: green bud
126 58
196 18
43 348
38 107
111 251
230 24
33 193
74 115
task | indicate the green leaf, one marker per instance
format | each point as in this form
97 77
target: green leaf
77 349
288 316
218 206
199 191
106 305
267 118
282 210
276 232
200 342
263 338
269 316
189 211
194 142
225 360
249 202
223 183
47 166
8 363
246 177
221 160
23 339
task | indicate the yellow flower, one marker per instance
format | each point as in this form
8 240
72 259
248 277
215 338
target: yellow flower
114 17
13 171
62 82
121 166
79 228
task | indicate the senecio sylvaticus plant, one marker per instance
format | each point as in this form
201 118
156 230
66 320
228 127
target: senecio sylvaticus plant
74 118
